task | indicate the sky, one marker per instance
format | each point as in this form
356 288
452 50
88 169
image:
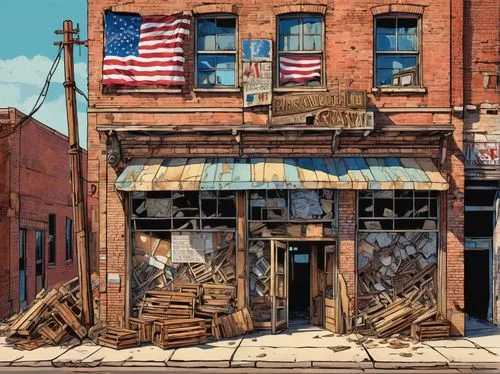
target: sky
26 54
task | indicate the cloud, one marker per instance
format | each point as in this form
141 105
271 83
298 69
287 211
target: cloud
33 71
21 79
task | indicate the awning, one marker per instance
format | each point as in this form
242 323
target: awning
358 173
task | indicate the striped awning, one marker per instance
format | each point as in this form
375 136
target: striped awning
358 173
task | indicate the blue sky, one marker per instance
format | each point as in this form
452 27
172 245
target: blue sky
26 54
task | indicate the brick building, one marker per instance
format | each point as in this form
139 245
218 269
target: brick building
482 164
351 175
36 237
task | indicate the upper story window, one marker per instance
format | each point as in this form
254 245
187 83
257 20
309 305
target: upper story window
300 50
397 51
216 52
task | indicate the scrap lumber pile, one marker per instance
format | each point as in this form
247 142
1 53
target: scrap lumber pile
396 280
118 338
53 317
269 214
153 268
234 324
178 333
260 282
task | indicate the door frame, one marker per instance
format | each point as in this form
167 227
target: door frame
277 326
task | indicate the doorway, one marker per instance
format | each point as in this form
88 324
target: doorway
477 283
299 282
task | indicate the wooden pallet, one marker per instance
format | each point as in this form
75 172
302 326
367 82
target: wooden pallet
118 338
439 329
167 305
234 324
179 332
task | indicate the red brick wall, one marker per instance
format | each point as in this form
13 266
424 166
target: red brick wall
349 64
481 49
38 172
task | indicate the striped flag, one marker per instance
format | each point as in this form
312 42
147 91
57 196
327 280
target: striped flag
144 51
299 69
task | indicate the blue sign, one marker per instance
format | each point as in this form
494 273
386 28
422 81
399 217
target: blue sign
256 49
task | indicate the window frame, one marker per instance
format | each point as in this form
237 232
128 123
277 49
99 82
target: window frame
234 52
23 296
52 240
418 52
71 241
322 84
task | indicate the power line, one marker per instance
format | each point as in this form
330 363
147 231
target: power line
41 97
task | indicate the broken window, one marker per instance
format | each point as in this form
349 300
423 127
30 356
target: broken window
181 237
291 213
397 257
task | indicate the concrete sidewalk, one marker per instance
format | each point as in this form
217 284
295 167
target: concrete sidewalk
306 347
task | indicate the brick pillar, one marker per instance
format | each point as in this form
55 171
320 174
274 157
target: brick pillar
347 242
455 232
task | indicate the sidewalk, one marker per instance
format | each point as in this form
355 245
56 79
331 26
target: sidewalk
307 347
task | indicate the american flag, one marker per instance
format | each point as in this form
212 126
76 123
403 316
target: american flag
299 69
142 51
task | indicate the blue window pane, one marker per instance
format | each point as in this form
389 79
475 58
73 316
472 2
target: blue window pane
386 26
206 78
206 27
226 26
206 62
225 42
386 42
289 42
289 26
407 42
225 62
206 43
312 25
301 258
225 77
390 69
407 26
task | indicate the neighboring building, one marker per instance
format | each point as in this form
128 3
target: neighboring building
36 226
481 115
326 192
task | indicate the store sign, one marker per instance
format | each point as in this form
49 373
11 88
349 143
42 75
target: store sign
257 72
344 110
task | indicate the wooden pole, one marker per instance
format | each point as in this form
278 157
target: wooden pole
75 165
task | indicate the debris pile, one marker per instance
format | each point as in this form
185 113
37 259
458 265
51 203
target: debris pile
53 318
396 281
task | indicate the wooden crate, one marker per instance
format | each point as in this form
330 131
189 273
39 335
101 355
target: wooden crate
179 332
118 338
167 305
235 324
314 230
217 298
143 326
439 329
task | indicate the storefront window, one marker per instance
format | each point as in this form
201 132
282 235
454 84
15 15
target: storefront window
397 253
181 237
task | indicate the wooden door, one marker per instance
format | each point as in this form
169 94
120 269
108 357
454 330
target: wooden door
330 301
279 285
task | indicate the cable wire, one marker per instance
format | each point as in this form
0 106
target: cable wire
80 92
41 97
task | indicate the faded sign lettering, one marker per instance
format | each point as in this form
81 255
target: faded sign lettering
257 72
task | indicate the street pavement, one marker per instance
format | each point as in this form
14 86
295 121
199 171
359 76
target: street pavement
305 349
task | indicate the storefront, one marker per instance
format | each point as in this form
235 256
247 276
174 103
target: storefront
269 228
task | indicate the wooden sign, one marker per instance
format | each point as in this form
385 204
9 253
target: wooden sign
344 110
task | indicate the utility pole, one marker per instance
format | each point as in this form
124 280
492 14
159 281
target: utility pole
75 165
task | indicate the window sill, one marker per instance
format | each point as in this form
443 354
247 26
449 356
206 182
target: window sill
51 266
222 89
69 262
300 89
408 90
142 90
